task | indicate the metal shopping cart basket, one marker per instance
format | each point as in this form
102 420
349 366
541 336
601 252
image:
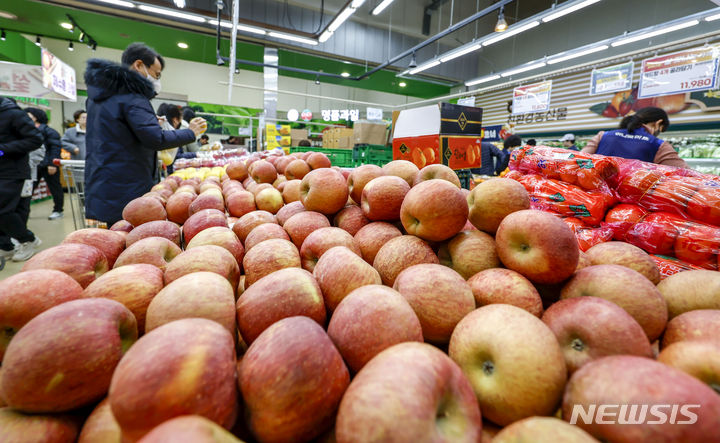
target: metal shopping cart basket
74 174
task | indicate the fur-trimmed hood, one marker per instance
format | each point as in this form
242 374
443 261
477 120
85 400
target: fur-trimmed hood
105 79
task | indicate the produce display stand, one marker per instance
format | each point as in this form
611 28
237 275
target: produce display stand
339 157
74 174
364 154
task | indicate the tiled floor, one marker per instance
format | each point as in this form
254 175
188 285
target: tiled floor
51 232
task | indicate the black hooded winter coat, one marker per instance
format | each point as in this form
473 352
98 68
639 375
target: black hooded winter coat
18 137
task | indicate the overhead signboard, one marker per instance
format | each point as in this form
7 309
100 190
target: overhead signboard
467 101
680 72
612 78
374 113
532 98
58 76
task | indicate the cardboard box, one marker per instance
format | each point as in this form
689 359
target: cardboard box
272 130
447 134
344 143
365 132
296 135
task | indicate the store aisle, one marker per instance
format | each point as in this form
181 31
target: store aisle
51 232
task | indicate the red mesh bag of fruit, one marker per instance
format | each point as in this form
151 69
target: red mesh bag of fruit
587 236
587 171
670 265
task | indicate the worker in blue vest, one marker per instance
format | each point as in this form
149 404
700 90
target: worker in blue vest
638 139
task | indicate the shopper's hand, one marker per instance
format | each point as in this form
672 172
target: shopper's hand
198 125
52 170
161 120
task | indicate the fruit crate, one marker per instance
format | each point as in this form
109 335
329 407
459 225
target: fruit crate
465 176
338 157
364 154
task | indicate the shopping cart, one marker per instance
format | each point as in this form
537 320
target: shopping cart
74 173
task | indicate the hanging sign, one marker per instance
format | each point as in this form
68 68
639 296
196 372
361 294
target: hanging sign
57 76
532 98
374 113
467 101
306 115
293 115
333 115
681 72
612 79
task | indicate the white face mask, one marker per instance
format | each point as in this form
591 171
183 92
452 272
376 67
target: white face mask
156 83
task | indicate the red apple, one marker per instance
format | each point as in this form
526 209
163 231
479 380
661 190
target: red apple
207 200
250 221
17 427
208 258
122 226
184 367
267 257
340 271
493 200
201 220
437 172
108 242
320 241
300 225
264 232
156 251
142 210
82 262
296 170
351 219
240 203
158 228
288 211
538 245
624 254
409 392
282 294
100 425
371 237
295 405
513 361
291 191
469 252
701 324
701 359
360 177
505 286
542 430
263 171
399 253
132 285
382 198
402 168
270 200
691 290
71 351
191 428
219 236
434 210
323 190
236 170
318 160
259 187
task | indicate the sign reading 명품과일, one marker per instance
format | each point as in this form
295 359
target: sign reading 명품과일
612 79
532 98
686 71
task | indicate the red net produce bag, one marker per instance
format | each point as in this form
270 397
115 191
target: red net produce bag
588 237
670 265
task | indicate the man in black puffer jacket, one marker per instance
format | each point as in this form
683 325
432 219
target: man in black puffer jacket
123 132
47 169
18 137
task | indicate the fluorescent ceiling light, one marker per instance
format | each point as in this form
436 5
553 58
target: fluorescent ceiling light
295 38
67 26
712 18
172 13
510 32
402 84
487 78
381 7
340 19
325 36
646 35
243 28
270 58
563 58
357 3
179 3
345 74
8 15
424 66
182 45
461 52
565 11
122 3
522 69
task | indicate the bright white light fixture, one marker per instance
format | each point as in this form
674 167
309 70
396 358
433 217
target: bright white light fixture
562 58
172 13
402 84
340 19
650 34
122 3
461 52
294 38
712 18
487 78
514 30
182 45
568 10
325 36
270 58
67 26
381 7
179 3
345 74
522 69
244 28
424 67
356 3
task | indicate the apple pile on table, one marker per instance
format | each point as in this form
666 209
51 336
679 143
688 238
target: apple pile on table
292 301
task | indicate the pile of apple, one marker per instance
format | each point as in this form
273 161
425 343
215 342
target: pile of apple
291 301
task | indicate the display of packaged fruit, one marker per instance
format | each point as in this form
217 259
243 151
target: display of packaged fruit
588 236
670 265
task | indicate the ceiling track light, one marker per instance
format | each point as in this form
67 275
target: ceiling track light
37 41
413 62
3 36
179 3
501 24
317 79
71 47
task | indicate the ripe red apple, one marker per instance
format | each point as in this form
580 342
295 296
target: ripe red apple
323 190
625 254
17 427
439 296
382 198
291 190
400 253
296 405
207 200
691 290
628 289
434 210
282 163
340 271
513 361
288 211
100 425
54 351
157 228
184 367
82 262
200 295
469 252
219 236
250 221
654 388
296 170
588 328
413 384
263 171
282 294
320 241
240 203
142 210
259 187
538 245
201 220
505 286
264 232
318 160
360 177
351 219
132 285
371 237
701 359
402 168
236 170
701 324
121 226
369 320
542 430
270 200
108 242
493 200
300 225
209 258
267 257
156 251
26 294
437 172
189 428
